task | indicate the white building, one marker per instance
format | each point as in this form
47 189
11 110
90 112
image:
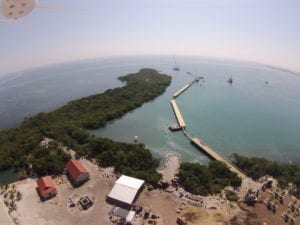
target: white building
126 189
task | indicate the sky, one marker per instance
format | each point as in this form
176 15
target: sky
263 31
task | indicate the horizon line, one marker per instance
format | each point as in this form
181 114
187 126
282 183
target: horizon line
278 68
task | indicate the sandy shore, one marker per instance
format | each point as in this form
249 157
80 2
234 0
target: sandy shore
171 166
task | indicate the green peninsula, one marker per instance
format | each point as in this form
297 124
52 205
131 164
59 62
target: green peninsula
19 147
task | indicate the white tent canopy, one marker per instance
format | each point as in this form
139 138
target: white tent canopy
125 189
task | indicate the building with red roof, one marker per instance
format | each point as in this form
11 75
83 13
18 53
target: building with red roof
46 187
77 173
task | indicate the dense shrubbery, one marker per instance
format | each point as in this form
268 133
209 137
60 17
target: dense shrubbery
19 147
204 180
48 160
130 159
257 167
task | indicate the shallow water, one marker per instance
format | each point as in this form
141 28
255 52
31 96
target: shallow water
248 117
8 176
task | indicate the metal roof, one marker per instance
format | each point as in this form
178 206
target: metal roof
75 168
125 189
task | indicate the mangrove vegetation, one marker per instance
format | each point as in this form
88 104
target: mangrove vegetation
256 167
207 179
19 147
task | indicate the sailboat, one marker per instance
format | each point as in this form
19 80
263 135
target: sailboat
230 81
176 67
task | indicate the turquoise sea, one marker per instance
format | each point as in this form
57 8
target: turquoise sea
249 117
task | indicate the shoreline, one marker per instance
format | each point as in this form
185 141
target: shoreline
170 166
30 210
200 210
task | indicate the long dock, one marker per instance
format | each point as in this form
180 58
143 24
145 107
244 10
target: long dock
184 88
196 141
216 156
178 115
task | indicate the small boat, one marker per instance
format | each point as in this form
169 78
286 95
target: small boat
175 127
176 67
136 138
199 78
230 81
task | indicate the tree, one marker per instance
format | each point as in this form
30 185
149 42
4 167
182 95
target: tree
257 167
19 147
206 179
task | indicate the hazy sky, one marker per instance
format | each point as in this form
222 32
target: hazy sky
266 31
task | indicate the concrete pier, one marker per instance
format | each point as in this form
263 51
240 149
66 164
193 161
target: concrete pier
196 141
216 156
184 88
178 115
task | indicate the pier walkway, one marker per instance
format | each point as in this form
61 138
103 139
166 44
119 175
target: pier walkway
216 156
184 88
178 115
196 141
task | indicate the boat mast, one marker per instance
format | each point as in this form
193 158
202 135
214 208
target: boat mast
176 67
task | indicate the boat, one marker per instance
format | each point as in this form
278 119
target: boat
199 78
175 127
230 81
176 67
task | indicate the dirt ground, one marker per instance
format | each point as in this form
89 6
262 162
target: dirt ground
161 203
56 211
171 166
263 215
168 207
201 216
198 210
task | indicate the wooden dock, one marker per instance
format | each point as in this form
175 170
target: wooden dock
178 115
216 156
184 88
